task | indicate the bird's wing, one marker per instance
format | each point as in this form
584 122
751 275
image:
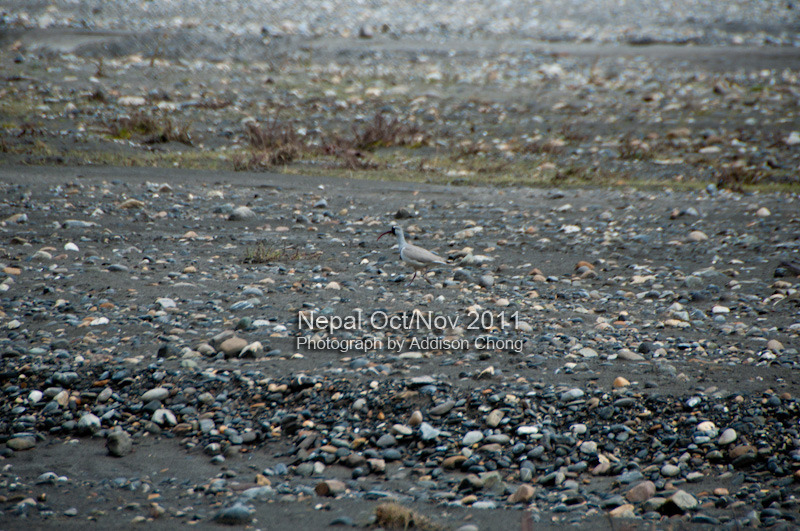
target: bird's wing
418 254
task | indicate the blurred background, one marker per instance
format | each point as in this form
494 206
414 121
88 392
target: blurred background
552 92
187 27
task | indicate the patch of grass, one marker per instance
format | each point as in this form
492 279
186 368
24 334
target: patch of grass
552 146
214 104
631 148
157 130
18 105
278 144
581 174
257 161
171 132
573 133
273 144
100 68
41 153
395 516
273 134
98 96
382 133
736 177
265 252
30 129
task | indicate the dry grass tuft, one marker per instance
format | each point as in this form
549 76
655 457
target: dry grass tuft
273 144
157 130
395 516
381 133
277 144
631 148
736 176
267 253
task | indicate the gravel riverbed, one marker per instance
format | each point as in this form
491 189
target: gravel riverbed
212 347
151 369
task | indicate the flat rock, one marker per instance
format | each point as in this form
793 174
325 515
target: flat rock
19 444
522 495
641 492
232 346
683 500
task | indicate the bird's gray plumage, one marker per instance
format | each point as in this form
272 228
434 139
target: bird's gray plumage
415 256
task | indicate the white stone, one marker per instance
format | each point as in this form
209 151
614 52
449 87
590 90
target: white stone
34 396
158 393
132 101
707 427
164 416
589 448
697 236
166 302
727 437
472 437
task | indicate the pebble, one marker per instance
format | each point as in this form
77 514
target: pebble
237 514
119 444
159 393
330 487
494 418
775 346
697 236
428 432
641 492
629 355
683 500
620 381
442 408
241 213
232 346
728 436
47 477
88 423
486 281
523 494
21 443
670 470
625 510
572 394
588 448
164 417
472 437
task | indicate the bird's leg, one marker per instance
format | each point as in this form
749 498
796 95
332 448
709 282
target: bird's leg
427 279
412 278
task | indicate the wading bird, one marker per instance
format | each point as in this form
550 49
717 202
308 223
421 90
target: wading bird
415 256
